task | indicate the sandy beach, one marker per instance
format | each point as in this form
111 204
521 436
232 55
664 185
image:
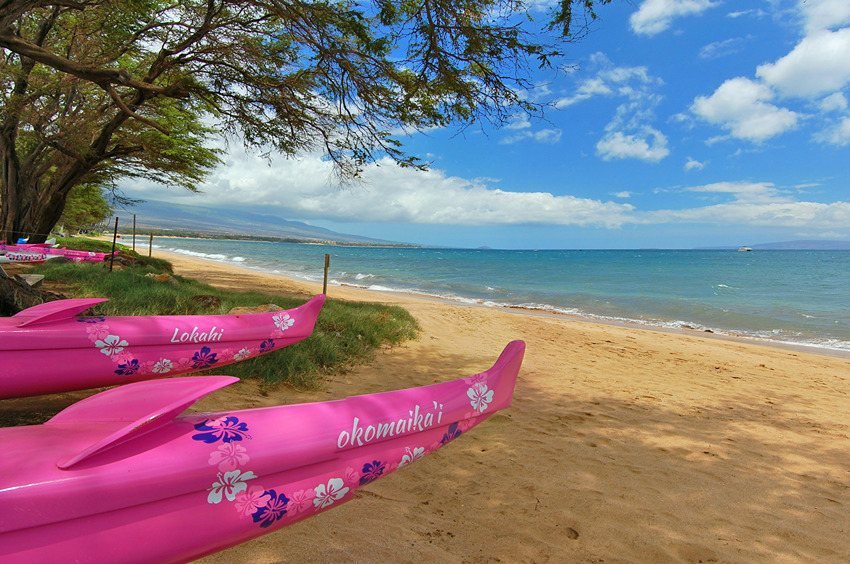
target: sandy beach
622 445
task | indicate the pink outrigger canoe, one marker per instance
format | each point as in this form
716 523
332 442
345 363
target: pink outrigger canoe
120 477
70 254
49 348
26 257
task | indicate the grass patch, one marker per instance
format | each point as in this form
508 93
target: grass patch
95 245
346 333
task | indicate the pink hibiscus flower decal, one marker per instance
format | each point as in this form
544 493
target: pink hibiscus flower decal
97 332
301 501
351 476
249 501
229 456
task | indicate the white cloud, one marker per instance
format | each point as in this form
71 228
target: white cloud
743 107
648 145
625 194
824 14
303 189
693 164
835 102
724 48
586 90
549 136
757 204
654 16
518 121
838 134
610 80
819 64
756 13
629 133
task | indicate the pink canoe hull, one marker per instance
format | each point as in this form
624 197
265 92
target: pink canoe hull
195 484
49 349
71 254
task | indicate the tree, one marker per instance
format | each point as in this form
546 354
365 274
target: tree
85 206
98 90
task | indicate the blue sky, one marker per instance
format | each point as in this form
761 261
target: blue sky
674 123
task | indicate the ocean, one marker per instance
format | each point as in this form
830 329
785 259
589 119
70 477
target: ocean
798 297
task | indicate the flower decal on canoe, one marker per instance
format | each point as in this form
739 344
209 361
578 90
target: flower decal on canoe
111 345
242 355
451 434
266 345
301 501
351 477
372 471
128 368
204 358
248 501
97 332
229 456
479 397
327 495
162 366
274 509
225 429
228 484
411 455
283 321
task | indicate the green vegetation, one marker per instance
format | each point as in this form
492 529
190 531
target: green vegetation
347 332
85 206
126 255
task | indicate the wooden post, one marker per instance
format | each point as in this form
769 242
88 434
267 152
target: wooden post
325 283
134 232
150 246
114 238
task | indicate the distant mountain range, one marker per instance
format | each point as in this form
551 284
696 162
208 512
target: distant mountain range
166 218
812 245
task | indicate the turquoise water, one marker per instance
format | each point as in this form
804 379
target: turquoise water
792 296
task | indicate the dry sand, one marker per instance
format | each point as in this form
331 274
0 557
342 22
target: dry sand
623 444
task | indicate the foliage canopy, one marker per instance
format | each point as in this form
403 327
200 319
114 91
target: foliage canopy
97 90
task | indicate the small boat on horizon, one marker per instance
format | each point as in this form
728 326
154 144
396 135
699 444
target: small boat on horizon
744 249
122 477
49 348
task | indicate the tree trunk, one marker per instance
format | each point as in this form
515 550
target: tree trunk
16 295
29 209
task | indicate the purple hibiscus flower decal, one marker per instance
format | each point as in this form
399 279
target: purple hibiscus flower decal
266 346
451 434
372 471
93 319
128 368
274 509
224 429
204 358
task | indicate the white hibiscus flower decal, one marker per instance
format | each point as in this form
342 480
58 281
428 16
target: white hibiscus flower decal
162 366
241 355
229 484
283 321
479 397
329 494
411 455
111 345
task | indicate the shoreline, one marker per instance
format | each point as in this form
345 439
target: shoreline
397 297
